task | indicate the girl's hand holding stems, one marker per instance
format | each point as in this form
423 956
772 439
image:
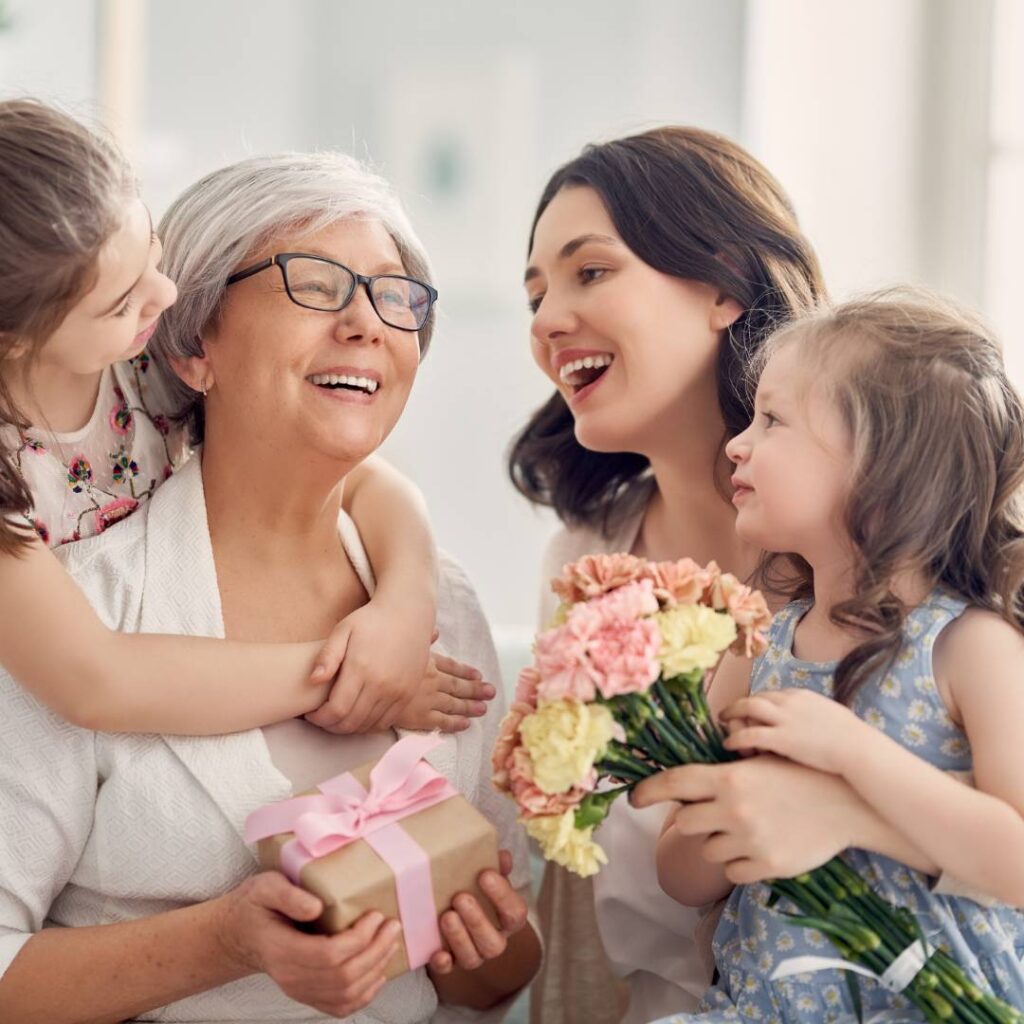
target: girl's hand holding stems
822 780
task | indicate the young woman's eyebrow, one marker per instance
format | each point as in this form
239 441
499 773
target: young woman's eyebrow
571 247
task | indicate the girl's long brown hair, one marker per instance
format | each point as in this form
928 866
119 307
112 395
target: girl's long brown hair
938 434
63 189
696 205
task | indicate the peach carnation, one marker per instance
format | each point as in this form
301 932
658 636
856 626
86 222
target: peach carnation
750 610
681 582
526 687
594 575
505 746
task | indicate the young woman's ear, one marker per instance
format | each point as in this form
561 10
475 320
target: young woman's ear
725 312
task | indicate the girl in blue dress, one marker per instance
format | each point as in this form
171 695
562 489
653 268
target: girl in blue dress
886 458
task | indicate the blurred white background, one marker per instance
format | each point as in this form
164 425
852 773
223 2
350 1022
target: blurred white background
897 126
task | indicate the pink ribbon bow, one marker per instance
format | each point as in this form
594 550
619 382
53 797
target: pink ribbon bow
401 784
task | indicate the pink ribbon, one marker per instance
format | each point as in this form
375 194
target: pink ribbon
401 783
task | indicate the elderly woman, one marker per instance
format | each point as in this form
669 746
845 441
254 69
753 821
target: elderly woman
305 310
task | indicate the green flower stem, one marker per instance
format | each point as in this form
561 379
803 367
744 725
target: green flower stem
671 725
682 724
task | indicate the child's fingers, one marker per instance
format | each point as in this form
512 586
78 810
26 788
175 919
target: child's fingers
759 709
449 705
456 668
344 694
465 689
324 718
330 657
505 862
758 737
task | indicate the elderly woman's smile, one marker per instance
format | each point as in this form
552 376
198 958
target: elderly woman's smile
332 380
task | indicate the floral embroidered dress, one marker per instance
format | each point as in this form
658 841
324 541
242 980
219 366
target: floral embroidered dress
89 479
753 939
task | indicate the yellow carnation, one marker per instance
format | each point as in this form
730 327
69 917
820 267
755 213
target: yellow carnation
693 636
560 841
564 738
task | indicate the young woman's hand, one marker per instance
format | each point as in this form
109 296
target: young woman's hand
335 974
804 726
763 817
472 939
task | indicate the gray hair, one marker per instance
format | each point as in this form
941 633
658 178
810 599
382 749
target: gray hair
219 220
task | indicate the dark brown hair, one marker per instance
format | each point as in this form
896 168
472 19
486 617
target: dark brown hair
693 204
938 438
63 189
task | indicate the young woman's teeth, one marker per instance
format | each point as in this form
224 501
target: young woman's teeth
581 372
338 380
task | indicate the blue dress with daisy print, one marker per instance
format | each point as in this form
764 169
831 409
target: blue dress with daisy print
753 939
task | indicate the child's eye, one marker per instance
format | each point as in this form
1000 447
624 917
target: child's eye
770 419
534 303
129 304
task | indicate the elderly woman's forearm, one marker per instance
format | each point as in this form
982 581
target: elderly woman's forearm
111 973
495 980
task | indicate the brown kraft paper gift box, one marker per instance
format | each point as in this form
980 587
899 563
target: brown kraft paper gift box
459 840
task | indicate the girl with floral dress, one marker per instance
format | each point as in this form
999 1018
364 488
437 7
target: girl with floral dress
886 458
84 441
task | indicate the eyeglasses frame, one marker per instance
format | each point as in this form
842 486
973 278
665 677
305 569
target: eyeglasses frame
281 260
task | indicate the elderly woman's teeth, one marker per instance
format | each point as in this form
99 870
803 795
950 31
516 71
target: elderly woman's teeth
581 372
337 380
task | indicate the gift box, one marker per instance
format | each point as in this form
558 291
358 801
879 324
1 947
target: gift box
393 836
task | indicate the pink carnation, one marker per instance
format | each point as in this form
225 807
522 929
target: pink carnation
608 644
594 575
561 658
750 610
533 802
681 582
625 657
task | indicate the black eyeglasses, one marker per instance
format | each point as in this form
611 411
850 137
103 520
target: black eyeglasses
318 283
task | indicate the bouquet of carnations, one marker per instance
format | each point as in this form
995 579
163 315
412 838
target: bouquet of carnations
616 693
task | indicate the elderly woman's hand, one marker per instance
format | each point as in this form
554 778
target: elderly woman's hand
335 974
471 937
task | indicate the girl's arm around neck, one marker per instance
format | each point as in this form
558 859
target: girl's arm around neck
975 835
54 644
385 644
